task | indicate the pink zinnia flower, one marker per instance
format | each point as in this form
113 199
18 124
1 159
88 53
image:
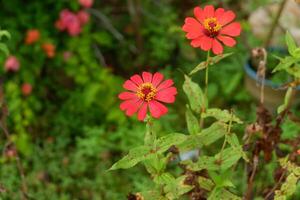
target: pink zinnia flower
83 17
147 92
210 27
86 3
26 89
69 21
12 64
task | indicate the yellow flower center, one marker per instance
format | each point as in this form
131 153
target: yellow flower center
212 26
146 92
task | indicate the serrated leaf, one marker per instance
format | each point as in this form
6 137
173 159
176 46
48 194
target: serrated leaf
194 94
134 156
221 115
192 122
290 43
211 61
4 49
287 98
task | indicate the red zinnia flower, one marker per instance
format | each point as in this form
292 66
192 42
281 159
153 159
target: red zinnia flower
210 28
83 17
32 36
86 3
146 92
49 49
298 152
26 89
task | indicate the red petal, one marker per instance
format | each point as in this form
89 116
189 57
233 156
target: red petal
228 41
167 95
217 47
142 112
233 29
157 78
127 95
137 79
129 85
157 109
166 84
133 109
128 104
206 43
226 18
199 14
193 28
219 12
147 77
209 11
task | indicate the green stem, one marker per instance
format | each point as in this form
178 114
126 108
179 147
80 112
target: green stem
150 135
206 89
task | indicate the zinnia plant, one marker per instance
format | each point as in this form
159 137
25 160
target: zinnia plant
209 28
147 92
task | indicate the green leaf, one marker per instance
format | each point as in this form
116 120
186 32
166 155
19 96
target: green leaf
176 188
165 142
134 156
290 43
228 158
284 64
206 183
192 122
287 98
204 162
5 34
194 94
206 137
211 61
222 194
221 115
233 141
4 49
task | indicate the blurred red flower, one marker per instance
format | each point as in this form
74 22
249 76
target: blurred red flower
86 3
210 27
26 89
12 64
147 92
49 49
298 152
83 17
32 36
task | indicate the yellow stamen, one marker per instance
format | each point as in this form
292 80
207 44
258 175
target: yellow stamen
212 25
146 92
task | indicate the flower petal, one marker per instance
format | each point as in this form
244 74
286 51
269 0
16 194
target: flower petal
199 14
217 48
167 95
226 18
133 109
206 43
193 28
129 85
219 12
228 41
209 11
128 104
157 109
166 84
233 29
137 79
157 78
142 112
147 77
127 95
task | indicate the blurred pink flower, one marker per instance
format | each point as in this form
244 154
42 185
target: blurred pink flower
69 21
26 89
83 17
12 64
86 3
